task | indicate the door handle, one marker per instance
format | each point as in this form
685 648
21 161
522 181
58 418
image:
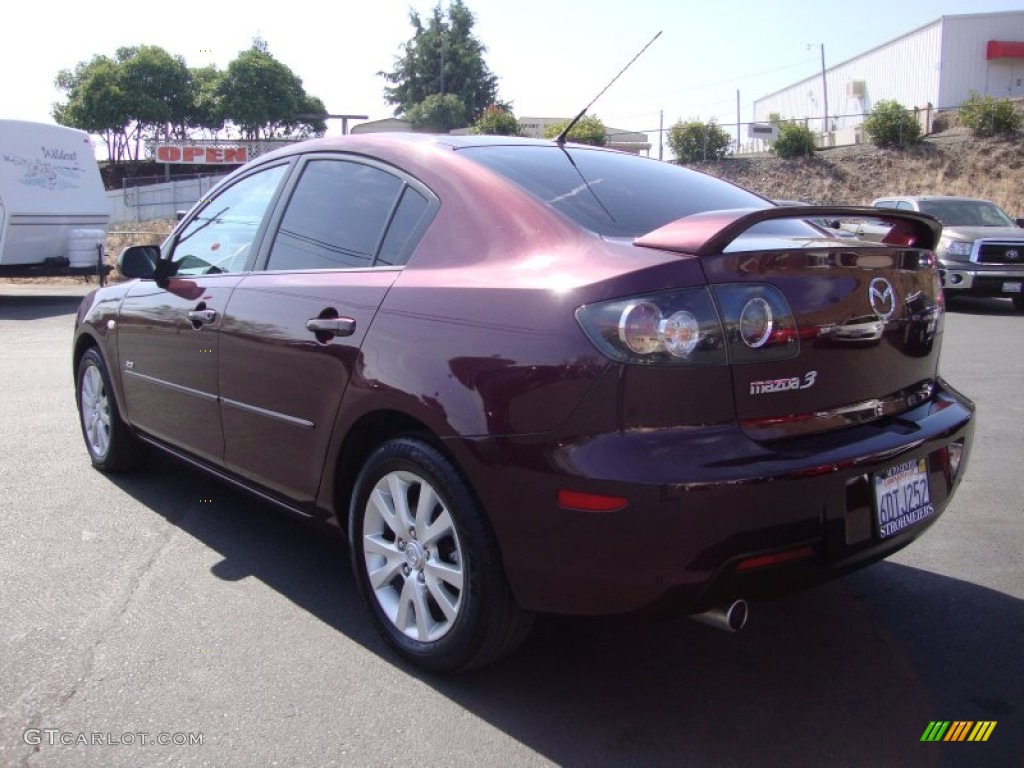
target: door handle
202 316
331 326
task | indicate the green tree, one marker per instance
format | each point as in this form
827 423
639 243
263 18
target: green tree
437 113
144 92
890 124
442 57
989 116
795 140
260 95
96 102
695 141
497 121
588 130
307 126
158 91
206 111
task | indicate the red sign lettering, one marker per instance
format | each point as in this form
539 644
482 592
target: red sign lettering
196 155
168 154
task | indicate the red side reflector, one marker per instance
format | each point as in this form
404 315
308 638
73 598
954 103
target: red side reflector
590 502
763 561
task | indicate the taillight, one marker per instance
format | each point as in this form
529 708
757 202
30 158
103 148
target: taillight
739 323
675 327
759 324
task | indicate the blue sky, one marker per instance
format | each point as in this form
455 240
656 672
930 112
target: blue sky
551 57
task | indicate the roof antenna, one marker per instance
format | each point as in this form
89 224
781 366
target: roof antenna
560 139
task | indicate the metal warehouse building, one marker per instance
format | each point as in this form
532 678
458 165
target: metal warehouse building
934 66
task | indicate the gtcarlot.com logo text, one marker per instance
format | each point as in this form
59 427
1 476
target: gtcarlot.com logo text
52 737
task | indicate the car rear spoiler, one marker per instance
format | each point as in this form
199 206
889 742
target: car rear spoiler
704 234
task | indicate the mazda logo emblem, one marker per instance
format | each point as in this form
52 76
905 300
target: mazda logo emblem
1012 255
882 298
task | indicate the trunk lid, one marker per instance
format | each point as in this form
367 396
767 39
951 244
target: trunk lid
863 339
868 325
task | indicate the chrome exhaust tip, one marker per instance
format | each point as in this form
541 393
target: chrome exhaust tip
729 617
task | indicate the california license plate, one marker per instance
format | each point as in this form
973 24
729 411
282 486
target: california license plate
1012 287
902 497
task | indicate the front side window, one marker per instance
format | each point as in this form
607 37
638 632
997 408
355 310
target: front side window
336 217
220 238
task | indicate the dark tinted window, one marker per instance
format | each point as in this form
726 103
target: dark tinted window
404 226
619 195
335 217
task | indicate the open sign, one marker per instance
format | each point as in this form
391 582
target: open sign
197 155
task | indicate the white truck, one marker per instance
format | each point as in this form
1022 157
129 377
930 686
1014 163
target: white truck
53 209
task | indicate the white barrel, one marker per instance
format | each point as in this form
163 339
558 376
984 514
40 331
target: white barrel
84 245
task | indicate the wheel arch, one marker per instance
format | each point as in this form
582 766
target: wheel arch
87 339
364 436
84 342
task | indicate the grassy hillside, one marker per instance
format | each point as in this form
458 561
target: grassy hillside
949 163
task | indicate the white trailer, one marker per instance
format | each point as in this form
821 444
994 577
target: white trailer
53 210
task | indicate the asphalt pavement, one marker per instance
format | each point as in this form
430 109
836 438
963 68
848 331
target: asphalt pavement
162 618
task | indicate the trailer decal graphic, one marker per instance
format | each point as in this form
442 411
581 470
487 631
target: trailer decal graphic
48 175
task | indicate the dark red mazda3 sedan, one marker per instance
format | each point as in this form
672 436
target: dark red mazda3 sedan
525 377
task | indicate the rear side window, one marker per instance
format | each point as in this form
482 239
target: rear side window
619 195
404 227
335 217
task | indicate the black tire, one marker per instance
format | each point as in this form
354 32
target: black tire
449 556
1018 302
111 445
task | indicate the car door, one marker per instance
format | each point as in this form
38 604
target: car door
168 330
293 330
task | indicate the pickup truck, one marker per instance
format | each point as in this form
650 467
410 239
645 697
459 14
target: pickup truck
981 252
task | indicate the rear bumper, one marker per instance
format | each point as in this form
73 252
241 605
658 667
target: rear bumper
701 501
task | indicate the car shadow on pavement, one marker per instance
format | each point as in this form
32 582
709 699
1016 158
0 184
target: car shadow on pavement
849 673
37 307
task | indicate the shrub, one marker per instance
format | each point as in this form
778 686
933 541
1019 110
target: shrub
497 121
588 130
891 124
695 142
988 116
795 140
438 113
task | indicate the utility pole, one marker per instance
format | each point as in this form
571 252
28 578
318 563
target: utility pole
737 121
661 134
824 91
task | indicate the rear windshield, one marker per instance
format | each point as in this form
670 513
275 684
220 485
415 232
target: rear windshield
620 195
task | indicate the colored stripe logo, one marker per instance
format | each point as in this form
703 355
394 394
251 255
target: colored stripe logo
958 730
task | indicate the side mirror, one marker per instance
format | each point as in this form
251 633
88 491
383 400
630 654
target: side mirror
1020 223
139 261
180 215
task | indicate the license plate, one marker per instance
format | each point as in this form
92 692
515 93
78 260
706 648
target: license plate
902 497
1012 287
